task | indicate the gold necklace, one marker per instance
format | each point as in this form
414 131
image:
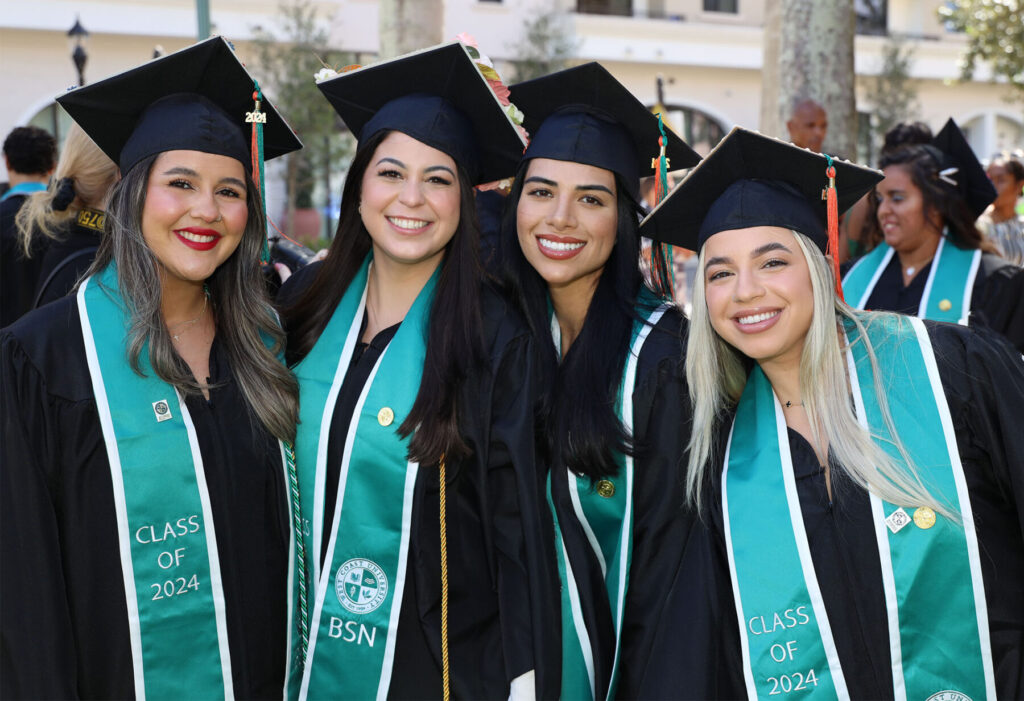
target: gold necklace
184 325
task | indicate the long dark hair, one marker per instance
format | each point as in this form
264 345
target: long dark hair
238 297
923 163
583 428
455 333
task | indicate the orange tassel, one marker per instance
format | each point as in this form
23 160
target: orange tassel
832 204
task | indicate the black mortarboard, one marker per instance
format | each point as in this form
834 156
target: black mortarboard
437 96
750 180
195 99
971 181
585 115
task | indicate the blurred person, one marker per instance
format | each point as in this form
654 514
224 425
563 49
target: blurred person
30 154
1002 223
147 540
807 124
859 232
934 262
68 216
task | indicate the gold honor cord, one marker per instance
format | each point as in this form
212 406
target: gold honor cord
444 591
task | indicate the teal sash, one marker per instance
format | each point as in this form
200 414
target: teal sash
169 559
606 516
358 597
952 276
938 621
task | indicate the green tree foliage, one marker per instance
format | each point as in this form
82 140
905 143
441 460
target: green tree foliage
893 93
286 60
546 46
995 34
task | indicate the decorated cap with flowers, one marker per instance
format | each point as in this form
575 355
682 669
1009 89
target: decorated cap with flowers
438 96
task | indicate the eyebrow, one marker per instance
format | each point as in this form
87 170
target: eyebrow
182 170
756 253
388 159
552 183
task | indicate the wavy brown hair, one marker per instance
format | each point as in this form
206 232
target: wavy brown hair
243 313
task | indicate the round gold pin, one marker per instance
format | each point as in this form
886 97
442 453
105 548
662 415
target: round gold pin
924 517
945 305
606 488
385 416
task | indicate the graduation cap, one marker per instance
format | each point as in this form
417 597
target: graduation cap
750 180
437 96
585 115
960 168
196 99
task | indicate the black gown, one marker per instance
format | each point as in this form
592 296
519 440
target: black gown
66 259
503 585
669 647
997 300
18 274
983 379
64 628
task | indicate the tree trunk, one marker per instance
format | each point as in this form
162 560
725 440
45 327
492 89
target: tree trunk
409 25
808 53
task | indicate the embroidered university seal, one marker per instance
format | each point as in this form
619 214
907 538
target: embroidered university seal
361 585
948 695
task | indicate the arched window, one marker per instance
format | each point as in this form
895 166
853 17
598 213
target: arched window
698 129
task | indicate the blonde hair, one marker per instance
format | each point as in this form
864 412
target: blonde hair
93 175
717 373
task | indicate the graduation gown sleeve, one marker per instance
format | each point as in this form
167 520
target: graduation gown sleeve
37 648
502 589
672 615
983 379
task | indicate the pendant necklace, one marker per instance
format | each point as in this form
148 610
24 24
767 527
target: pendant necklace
183 326
790 405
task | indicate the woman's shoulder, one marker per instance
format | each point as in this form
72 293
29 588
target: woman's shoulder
48 342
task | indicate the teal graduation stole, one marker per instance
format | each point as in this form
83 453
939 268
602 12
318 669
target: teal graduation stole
358 597
169 559
605 512
951 276
937 617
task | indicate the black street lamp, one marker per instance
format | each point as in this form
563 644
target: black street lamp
79 34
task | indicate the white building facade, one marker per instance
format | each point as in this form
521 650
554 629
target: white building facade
708 52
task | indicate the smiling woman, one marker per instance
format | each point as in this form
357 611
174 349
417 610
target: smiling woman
616 402
853 455
935 263
416 454
151 405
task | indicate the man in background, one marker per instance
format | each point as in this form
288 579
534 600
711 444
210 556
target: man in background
808 124
31 155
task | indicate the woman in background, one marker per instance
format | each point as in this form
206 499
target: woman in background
935 263
70 215
1002 223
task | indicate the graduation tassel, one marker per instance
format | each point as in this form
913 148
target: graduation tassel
258 119
662 251
832 206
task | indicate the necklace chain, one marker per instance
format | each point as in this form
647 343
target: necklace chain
793 404
182 326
